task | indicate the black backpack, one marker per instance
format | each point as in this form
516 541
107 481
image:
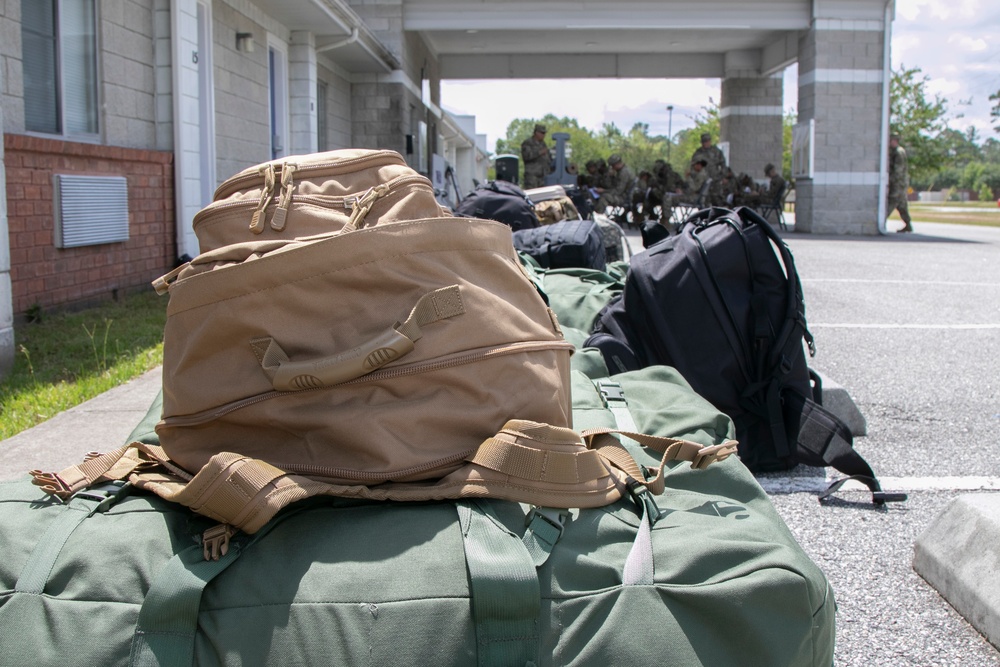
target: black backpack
501 201
715 302
567 244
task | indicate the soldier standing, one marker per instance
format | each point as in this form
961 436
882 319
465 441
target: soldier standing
899 182
536 158
714 159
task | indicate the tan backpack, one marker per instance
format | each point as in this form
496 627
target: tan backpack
370 355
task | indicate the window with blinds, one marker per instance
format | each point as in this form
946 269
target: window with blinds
59 41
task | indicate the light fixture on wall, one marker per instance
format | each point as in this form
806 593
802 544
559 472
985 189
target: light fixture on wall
244 42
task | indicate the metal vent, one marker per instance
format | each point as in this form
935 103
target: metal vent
90 210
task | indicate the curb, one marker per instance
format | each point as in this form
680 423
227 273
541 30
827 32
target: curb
959 556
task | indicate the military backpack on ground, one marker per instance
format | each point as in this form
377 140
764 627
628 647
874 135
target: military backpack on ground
721 301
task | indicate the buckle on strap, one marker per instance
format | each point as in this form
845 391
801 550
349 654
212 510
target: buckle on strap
105 495
550 515
709 455
610 391
643 499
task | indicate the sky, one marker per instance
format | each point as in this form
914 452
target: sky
956 43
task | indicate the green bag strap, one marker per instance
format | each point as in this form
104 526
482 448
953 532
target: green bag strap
503 583
79 507
638 570
168 619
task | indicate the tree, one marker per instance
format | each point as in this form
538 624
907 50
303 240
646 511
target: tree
995 112
917 120
960 148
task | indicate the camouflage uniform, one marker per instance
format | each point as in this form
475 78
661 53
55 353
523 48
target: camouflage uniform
664 186
617 192
714 156
745 192
695 180
537 161
774 189
899 183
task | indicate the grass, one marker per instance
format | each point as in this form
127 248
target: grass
64 359
986 214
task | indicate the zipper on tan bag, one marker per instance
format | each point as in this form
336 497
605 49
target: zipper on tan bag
347 202
375 376
285 198
237 183
257 219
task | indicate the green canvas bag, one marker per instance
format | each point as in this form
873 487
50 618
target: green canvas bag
706 575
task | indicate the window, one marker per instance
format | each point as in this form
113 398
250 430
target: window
322 144
59 40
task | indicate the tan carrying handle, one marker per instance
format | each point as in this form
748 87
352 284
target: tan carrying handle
288 375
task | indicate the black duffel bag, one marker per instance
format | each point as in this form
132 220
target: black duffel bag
501 201
567 244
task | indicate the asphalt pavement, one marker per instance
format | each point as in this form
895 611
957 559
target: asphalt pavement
909 325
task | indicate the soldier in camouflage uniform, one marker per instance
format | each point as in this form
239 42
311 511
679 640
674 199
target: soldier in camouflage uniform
715 161
696 179
619 190
665 185
755 197
537 161
899 182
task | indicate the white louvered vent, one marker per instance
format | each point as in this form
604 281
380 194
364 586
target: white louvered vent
90 210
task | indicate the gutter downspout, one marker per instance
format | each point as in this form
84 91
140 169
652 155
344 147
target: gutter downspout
350 39
883 162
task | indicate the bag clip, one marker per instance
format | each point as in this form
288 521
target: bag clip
105 495
215 541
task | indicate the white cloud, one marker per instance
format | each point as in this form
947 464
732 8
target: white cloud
967 43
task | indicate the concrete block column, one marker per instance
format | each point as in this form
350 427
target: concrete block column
377 112
751 121
841 74
302 92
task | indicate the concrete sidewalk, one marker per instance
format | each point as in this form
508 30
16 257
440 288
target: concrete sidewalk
101 424
910 326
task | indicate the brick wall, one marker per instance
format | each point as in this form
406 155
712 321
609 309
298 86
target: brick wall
48 276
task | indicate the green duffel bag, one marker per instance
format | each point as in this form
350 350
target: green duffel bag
116 576
576 295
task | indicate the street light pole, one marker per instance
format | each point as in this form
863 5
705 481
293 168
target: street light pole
670 125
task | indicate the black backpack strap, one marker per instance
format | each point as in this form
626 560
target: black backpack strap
825 440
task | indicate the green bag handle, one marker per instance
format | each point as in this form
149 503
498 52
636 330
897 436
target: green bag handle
503 583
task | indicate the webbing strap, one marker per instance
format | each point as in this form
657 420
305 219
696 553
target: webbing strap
168 619
638 570
503 582
545 527
824 440
42 559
